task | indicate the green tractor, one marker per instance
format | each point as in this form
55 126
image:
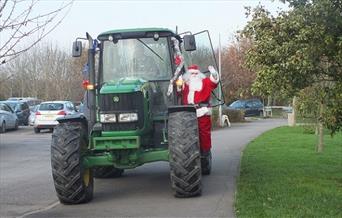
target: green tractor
133 114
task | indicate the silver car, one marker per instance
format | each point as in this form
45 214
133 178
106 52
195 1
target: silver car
8 119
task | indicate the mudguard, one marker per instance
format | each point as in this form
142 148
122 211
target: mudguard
73 118
178 108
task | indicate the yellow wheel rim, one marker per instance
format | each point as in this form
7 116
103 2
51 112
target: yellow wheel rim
86 177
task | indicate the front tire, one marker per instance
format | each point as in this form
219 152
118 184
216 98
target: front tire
73 183
36 130
3 127
107 172
206 160
16 126
185 159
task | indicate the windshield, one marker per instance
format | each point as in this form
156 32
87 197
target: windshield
238 104
138 58
13 105
51 107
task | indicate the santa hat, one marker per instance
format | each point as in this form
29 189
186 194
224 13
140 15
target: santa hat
194 69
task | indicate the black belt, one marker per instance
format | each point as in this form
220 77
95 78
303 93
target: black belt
199 105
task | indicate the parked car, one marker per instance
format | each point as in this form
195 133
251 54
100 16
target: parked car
32 116
251 107
31 101
49 111
22 110
8 119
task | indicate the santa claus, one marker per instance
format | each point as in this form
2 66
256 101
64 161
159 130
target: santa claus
197 90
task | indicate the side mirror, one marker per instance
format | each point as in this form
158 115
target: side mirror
189 43
77 49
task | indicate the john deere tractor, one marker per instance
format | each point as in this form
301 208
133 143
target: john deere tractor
133 114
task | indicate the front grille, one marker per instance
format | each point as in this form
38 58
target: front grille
128 102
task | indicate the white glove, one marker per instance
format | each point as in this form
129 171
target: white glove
214 77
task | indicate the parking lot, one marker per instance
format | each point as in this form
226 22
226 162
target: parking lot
25 173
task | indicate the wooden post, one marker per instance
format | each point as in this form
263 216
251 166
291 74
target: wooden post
292 116
320 143
294 112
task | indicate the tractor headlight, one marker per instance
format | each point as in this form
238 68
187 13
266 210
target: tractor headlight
128 117
107 118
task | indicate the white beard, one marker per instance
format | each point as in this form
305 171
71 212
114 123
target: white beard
195 83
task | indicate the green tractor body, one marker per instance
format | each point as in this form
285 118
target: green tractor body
130 118
126 145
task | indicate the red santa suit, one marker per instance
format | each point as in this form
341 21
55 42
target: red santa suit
197 90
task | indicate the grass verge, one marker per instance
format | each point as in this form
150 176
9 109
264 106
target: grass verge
281 175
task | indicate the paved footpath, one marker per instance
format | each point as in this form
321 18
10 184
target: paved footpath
145 191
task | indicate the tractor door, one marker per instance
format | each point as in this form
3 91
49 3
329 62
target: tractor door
204 56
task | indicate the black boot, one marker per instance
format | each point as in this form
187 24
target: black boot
206 162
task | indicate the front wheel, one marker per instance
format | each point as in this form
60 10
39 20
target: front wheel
185 158
3 127
73 182
16 126
206 160
36 130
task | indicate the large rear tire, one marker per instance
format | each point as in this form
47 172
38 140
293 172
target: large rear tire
73 183
206 160
185 158
107 172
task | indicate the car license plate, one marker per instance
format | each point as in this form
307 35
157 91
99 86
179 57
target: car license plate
49 117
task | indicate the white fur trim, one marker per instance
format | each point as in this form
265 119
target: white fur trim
194 71
200 112
191 97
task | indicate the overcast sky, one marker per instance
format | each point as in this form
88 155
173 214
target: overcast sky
219 17
222 17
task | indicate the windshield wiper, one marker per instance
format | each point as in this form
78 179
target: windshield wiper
150 49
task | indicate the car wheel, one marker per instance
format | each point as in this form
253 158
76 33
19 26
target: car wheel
16 125
3 127
36 130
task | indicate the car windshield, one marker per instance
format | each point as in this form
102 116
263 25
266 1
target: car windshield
237 104
144 58
13 105
51 107
3 106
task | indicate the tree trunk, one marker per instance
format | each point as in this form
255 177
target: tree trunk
320 143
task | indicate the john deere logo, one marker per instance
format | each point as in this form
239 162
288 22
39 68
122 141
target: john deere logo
116 99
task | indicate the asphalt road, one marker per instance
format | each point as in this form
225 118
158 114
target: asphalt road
26 187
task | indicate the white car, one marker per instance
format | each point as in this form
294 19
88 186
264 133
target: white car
49 111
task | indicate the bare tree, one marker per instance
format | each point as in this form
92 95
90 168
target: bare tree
19 21
46 72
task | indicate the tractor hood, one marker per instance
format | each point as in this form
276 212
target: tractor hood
123 85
